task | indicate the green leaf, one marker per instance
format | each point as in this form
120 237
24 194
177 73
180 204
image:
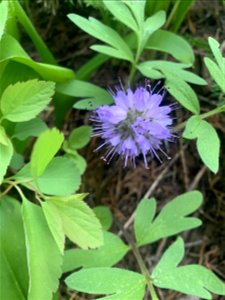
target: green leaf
25 21
120 284
87 69
138 10
52 182
9 76
79 222
171 70
171 220
121 12
105 34
143 219
3 16
104 215
30 128
43 256
6 153
25 100
77 159
76 88
215 72
183 93
168 275
111 252
45 148
79 137
55 224
12 50
215 47
171 43
208 143
17 161
151 25
4 140
13 264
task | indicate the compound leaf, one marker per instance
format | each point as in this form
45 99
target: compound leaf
34 127
208 143
111 252
25 100
105 34
118 284
171 220
43 256
45 148
104 215
167 274
6 153
78 220
14 272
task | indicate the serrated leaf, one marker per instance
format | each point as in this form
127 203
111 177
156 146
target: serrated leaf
79 137
52 182
30 128
6 153
25 100
104 215
43 256
117 283
55 224
13 263
103 33
172 219
208 143
107 255
121 12
45 148
167 274
79 221
173 44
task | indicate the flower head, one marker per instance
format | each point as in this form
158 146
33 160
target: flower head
136 124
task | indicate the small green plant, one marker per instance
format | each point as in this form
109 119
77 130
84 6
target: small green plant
42 213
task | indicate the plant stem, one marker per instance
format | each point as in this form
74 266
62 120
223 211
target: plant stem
140 262
169 20
134 64
203 116
43 50
144 270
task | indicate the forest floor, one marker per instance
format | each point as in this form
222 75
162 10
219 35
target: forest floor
122 188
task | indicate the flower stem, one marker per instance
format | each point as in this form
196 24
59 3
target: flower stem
203 116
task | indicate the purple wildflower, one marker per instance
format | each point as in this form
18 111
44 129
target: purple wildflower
136 124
